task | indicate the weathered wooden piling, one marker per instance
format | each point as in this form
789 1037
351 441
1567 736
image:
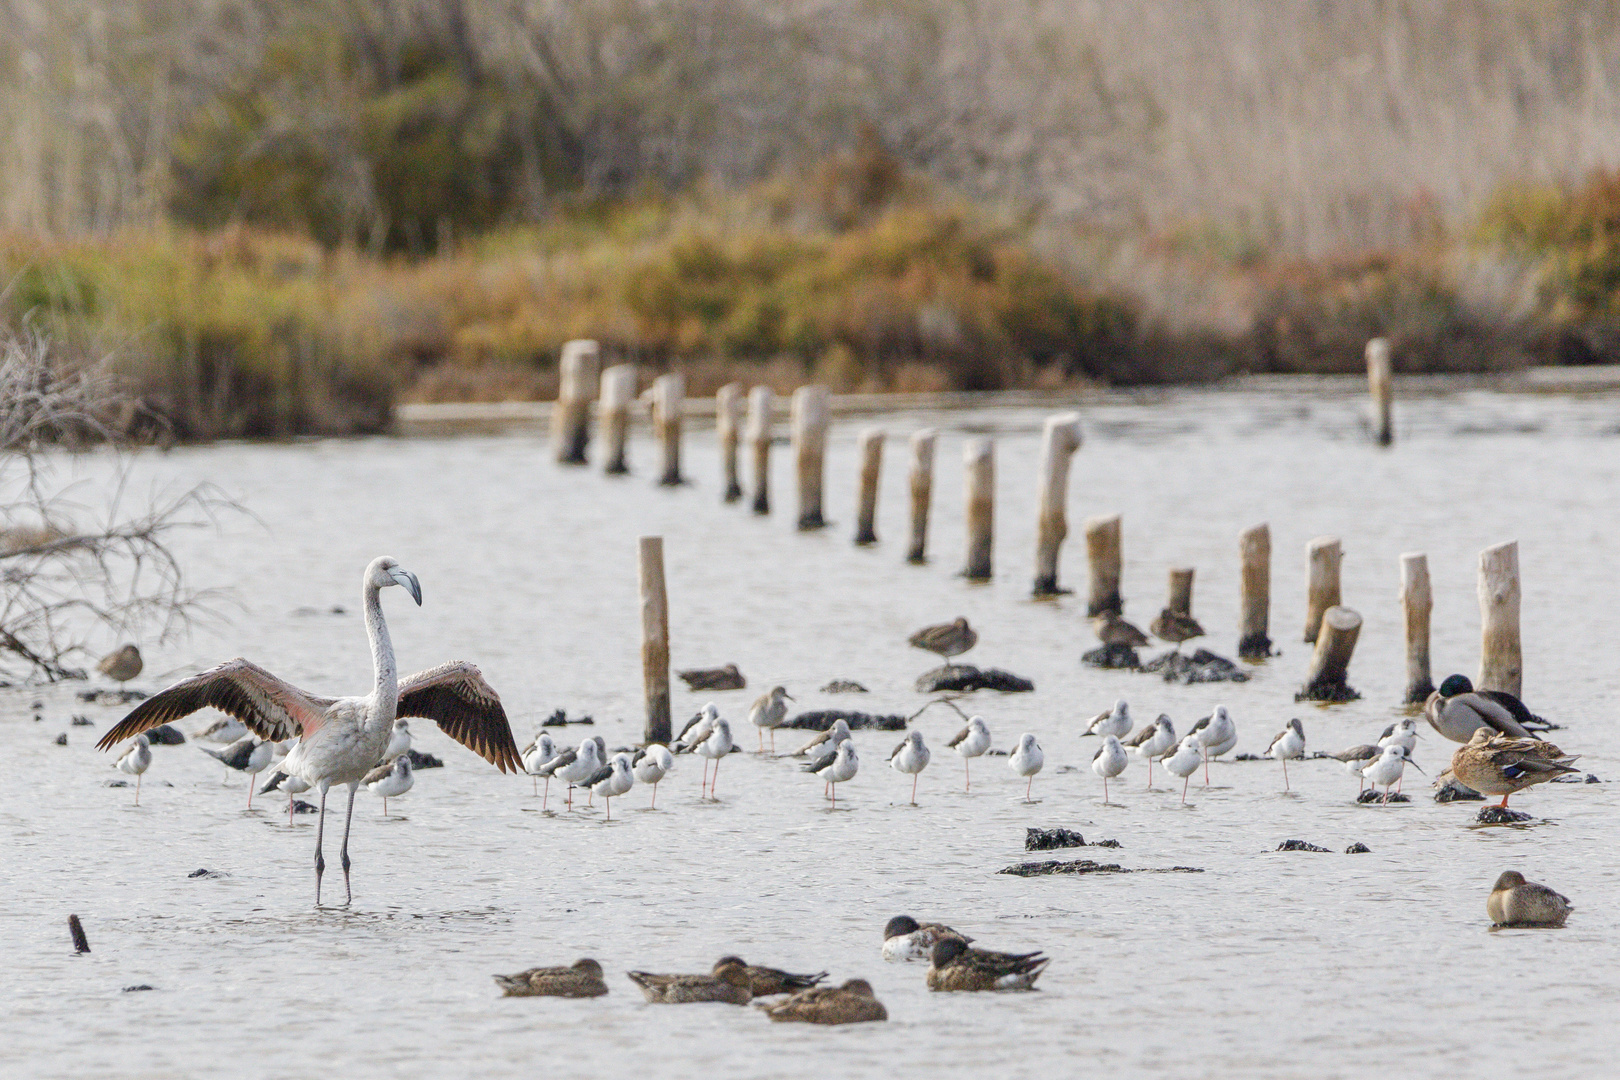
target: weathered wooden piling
979 483
1103 556
613 414
809 422
1179 599
1330 663
654 639
871 446
922 492
1254 545
1418 600
668 402
1324 555
1060 438
1381 389
81 944
728 419
570 418
761 403
1501 665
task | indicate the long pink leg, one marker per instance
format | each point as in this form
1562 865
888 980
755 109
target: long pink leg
1285 775
1105 791
1206 766
251 779
1150 774
137 789
655 796
716 777
1029 787
834 795
607 802
967 765
1184 781
914 778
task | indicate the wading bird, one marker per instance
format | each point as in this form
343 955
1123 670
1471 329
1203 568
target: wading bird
391 780
122 664
842 766
249 754
1184 762
1289 745
769 711
1216 735
1389 766
340 740
1027 760
971 742
945 640
650 765
1109 761
911 756
136 760
535 755
1116 721
715 747
1152 741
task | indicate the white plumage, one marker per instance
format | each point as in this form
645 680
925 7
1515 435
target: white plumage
136 760
910 757
1109 761
1027 760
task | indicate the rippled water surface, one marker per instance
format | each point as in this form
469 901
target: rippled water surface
1266 964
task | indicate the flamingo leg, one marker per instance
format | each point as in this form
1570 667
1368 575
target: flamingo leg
320 860
348 820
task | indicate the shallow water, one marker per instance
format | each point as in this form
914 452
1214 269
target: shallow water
1266 964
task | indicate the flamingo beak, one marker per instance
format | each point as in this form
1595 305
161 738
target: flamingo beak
408 579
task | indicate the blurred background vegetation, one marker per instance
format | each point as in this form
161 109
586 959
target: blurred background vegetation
282 216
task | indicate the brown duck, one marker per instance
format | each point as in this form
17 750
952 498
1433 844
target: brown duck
1496 764
961 967
1112 629
765 981
1517 902
852 1003
122 664
721 678
581 980
728 982
1175 627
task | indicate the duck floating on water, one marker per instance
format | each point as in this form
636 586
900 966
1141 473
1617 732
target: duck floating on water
582 979
1457 710
904 938
852 1003
728 982
1517 902
767 981
957 966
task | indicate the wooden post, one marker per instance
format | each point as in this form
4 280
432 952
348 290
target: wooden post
809 421
1501 666
1378 384
1103 555
668 401
1060 438
728 413
1330 663
1255 546
1324 555
654 640
570 418
613 413
1181 583
1418 601
761 402
922 491
979 478
871 444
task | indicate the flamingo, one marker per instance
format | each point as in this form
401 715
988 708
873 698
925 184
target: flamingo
341 740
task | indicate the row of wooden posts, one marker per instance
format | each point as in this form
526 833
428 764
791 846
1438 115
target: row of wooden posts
748 419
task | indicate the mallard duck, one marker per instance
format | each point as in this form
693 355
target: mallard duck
1457 710
582 979
1175 627
720 678
1496 764
765 981
904 938
852 1003
728 982
1517 902
946 640
1112 629
957 966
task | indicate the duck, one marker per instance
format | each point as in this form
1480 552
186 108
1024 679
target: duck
581 979
1112 629
946 639
768 981
720 678
904 938
853 1003
122 664
1457 710
1495 764
728 982
1517 902
1116 721
956 966
1175 627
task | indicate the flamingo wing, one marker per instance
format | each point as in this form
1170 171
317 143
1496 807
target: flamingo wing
456 697
272 708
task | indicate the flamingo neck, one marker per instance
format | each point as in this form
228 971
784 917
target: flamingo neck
386 689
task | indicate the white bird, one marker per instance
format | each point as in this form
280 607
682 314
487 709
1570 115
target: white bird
1184 762
1115 722
249 754
227 729
971 742
399 742
1404 733
911 756
697 729
1289 745
1355 759
290 785
651 765
769 711
617 781
1027 760
1389 767
715 747
536 754
136 760
821 749
1109 761
1216 735
842 766
1152 741
391 780
585 763
341 739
